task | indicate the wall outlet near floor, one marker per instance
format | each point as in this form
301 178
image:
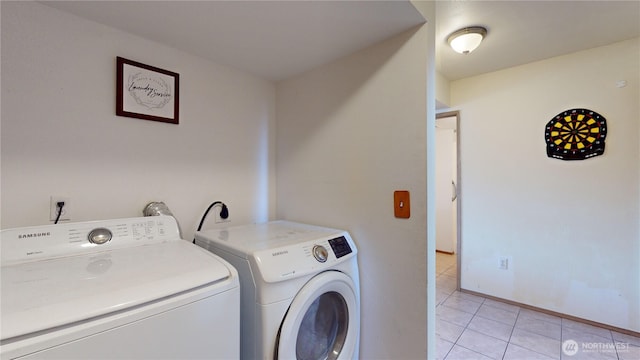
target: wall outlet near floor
53 208
504 262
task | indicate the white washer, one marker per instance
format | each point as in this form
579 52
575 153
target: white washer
299 289
125 288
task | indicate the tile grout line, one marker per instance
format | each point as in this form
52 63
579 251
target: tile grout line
457 338
467 328
513 328
456 341
614 343
474 351
544 335
536 351
564 324
441 304
481 303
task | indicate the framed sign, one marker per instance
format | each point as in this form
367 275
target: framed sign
146 92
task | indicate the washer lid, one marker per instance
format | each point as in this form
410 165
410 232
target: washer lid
41 295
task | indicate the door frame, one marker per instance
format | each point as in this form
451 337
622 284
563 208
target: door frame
456 114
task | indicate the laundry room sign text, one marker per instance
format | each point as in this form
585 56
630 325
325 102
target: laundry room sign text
146 92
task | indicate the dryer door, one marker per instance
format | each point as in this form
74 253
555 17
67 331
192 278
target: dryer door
323 321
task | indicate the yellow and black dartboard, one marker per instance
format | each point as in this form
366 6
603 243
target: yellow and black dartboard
575 134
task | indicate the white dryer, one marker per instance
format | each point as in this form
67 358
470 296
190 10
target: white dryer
125 288
300 289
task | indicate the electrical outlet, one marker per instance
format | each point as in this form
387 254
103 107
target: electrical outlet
219 220
503 263
216 214
53 208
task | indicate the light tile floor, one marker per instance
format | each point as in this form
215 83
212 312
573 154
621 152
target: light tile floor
473 327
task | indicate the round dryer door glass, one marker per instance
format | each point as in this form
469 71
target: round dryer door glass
323 329
323 320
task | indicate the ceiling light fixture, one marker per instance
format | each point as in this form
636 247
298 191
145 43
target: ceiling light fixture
468 39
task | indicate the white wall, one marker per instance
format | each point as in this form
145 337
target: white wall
443 91
350 133
571 227
60 135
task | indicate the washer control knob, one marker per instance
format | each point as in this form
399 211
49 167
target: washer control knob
100 236
320 253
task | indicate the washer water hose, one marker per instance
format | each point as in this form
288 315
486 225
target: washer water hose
156 208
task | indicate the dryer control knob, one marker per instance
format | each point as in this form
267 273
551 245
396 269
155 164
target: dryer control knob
100 236
320 253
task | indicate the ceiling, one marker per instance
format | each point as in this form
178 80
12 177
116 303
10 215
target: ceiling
272 39
279 39
520 32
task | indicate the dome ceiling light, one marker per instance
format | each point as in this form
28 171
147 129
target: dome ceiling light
467 39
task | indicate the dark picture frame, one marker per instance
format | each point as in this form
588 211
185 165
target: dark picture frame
146 92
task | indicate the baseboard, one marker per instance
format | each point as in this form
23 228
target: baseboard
549 312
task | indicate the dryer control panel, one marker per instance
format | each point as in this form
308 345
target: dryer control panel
340 246
295 260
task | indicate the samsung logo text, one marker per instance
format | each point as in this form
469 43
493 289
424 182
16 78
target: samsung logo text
33 235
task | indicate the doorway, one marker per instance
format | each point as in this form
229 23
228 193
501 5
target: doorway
448 197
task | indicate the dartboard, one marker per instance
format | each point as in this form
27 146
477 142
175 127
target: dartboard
575 134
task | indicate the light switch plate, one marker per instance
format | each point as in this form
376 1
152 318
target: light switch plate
401 204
